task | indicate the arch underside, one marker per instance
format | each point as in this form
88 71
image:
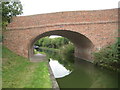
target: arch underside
83 45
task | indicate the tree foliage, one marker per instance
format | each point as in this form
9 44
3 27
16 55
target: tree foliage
52 42
68 50
10 9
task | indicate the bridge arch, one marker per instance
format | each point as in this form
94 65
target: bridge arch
98 27
83 45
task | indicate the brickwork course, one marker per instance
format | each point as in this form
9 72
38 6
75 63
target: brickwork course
88 30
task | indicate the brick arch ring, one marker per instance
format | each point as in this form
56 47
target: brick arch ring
83 45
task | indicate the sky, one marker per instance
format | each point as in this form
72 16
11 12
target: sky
31 7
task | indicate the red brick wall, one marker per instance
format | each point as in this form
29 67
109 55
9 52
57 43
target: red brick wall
100 26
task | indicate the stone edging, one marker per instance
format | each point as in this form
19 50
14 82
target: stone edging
54 82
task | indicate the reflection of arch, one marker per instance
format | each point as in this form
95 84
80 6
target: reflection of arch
83 45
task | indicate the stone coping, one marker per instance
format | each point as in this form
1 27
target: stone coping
54 82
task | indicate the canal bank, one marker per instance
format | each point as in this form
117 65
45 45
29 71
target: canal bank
19 72
80 73
83 75
54 82
87 75
41 58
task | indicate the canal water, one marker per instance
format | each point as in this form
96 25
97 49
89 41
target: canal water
72 72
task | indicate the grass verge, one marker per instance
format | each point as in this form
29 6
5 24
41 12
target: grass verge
18 72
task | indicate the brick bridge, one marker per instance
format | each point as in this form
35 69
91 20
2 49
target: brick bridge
88 30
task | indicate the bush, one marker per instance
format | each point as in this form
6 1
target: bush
36 52
108 56
67 50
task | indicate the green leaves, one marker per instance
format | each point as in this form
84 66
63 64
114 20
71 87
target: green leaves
10 9
52 42
109 56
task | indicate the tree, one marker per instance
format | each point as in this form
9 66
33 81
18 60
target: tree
10 9
52 42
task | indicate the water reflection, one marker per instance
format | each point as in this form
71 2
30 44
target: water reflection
86 75
63 60
77 73
58 69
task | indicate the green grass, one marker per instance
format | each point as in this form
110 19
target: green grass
18 72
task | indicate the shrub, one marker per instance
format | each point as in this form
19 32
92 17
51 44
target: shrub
108 56
67 50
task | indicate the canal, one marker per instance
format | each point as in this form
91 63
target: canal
72 72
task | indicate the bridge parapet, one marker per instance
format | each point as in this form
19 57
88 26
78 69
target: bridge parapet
65 18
